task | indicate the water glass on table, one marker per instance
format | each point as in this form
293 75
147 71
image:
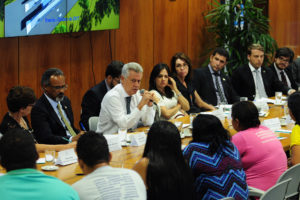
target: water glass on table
192 117
50 157
278 97
122 132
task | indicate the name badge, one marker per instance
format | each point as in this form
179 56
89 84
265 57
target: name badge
113 142
273 124
138 139
66 157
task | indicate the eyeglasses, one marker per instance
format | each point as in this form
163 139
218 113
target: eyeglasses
184 65
59 87
284 60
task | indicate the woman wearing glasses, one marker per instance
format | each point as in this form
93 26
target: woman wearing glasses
20 101
181 68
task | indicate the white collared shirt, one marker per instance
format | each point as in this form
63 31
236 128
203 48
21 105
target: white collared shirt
253 70
54 106
278 72
113 114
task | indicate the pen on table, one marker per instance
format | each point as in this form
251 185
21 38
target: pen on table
79 174
82 127
66 139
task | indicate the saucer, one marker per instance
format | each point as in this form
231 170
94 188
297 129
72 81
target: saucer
49 168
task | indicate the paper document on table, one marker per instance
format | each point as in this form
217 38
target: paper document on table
138 139
66 157
273 124
41 161
115 186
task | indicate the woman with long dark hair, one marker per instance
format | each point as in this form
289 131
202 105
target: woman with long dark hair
163 168
181 68
171 102
294 110
215 161
261 152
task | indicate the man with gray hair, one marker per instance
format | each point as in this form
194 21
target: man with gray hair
123 106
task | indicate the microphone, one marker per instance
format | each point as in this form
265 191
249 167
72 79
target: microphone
142 91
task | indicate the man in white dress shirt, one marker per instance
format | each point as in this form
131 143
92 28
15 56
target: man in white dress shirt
123 106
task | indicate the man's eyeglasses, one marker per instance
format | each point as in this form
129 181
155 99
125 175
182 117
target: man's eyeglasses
59 87
284 60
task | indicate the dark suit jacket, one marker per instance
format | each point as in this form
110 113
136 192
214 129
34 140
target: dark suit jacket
91 103
243 82
46 125
296 71
203 83
288 71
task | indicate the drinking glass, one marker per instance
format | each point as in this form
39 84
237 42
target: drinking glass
278 97
50 157
243 98
123 135
192 117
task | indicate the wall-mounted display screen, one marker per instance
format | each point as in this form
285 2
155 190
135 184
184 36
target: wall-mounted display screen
35 17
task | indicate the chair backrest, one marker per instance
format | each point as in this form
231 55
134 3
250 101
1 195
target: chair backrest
93 121
294 174
276 192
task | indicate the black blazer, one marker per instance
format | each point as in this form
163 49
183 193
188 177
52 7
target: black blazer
46 125
288 71
91 103
243 82
203 83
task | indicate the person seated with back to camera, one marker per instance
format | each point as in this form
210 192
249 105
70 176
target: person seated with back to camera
215 161
262 155
294 111
101 180
162 167
20 101
22 180
171 102
181 68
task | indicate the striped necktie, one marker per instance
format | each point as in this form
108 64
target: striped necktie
70 129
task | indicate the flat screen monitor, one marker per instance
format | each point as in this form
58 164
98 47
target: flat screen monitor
36 17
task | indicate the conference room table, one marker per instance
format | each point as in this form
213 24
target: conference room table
129 155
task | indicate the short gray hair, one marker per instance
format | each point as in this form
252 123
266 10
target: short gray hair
131 66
